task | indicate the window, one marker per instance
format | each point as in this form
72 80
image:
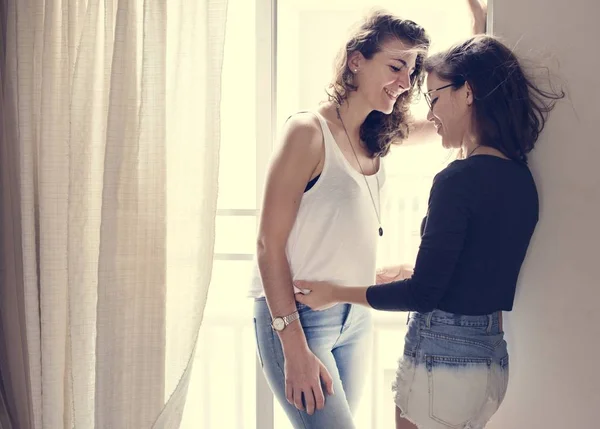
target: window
222 389
262 86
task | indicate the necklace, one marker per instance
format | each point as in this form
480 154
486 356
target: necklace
473 150
337 109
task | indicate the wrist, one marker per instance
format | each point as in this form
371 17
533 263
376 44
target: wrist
337 294
292 338
353 295
295 349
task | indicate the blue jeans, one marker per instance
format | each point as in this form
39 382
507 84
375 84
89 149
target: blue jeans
341 338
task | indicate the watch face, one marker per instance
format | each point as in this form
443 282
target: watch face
278 324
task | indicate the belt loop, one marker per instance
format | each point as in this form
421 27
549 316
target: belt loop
490 321
428 319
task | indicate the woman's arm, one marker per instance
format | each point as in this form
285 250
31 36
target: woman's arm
351 295
423 130
479 15
292 167
440 248
297 160
394 273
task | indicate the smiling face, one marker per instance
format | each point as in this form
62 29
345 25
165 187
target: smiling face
387 75
450 110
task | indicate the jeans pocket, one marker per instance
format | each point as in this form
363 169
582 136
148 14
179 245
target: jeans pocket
302 308
458 388
258 352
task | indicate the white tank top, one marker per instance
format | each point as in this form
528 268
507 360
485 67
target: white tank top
334 237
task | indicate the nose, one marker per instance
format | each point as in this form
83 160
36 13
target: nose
404 80
430 116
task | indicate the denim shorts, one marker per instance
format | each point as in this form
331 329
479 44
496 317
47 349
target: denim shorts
454 371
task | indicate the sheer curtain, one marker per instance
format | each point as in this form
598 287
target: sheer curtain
108 185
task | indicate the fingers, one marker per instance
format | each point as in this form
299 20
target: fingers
319 397
304 399
298 399
309 400
300 298
303 286
307 393
289 392
327 379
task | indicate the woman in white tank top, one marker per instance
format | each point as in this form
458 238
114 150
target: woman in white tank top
320 220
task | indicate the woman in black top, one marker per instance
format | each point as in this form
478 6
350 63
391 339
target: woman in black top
481 215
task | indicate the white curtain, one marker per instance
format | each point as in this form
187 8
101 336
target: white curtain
108 169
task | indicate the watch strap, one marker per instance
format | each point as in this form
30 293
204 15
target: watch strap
291 318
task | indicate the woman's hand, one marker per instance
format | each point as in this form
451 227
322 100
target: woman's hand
392 274
479 14
319 296
304 373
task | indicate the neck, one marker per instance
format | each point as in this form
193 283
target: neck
469 145
354 113
477 149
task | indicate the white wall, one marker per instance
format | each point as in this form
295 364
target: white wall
554 330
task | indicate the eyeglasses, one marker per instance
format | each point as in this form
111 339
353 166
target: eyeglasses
427 95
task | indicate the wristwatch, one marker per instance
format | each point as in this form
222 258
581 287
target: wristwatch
279 323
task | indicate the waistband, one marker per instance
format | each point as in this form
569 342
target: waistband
488 321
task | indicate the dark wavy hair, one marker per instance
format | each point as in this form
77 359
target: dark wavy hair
379 131
509 110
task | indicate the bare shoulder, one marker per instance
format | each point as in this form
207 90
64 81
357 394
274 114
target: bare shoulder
301 148
303 132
